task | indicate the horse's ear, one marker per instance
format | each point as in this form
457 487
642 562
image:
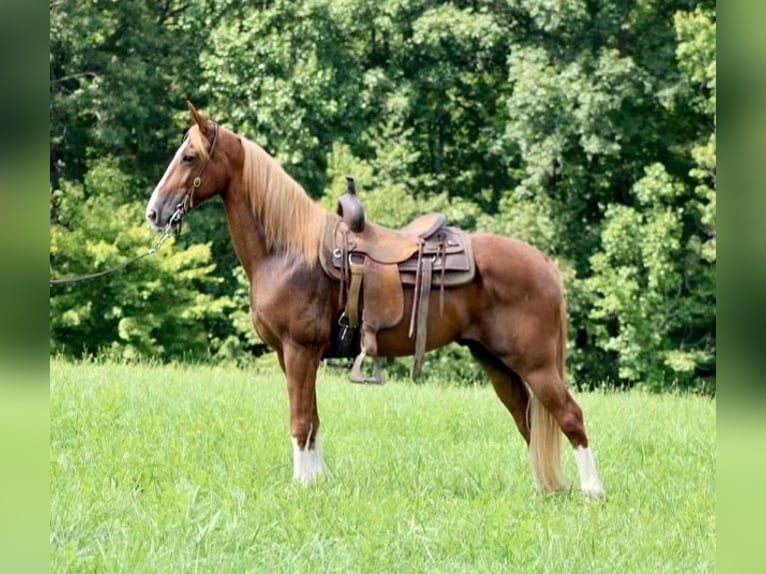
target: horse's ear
198 118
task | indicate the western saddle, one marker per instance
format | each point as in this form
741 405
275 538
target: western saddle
375 265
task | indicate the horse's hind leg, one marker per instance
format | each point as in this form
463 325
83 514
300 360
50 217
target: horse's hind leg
552 408
508 385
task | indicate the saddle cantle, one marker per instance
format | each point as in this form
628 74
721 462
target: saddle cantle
375 265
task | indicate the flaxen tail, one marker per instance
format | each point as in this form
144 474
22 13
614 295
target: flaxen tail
544 431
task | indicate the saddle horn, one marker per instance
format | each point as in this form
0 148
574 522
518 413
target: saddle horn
350 208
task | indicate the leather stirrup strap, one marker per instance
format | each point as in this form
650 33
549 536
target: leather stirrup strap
443 248
416 290
422 316
344 271
354 289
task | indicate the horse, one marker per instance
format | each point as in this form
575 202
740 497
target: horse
512 315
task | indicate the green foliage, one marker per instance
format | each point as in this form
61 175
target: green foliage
389 200
157 307
118 70
585 128
695 53
524 217
640 282
277 75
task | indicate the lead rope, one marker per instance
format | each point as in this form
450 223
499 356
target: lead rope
175 221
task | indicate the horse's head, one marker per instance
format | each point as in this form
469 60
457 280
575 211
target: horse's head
195 174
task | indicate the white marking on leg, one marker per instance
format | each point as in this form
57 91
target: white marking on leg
308 463
589 480
319 466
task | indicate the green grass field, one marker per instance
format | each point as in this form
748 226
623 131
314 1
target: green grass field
179 469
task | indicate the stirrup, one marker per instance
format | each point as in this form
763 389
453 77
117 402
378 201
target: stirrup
377 377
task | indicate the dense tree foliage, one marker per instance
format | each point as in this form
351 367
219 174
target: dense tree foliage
586 127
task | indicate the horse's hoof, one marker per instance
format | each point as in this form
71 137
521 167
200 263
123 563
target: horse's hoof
377 377
362 380
595 491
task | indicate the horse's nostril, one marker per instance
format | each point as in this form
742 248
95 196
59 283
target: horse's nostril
151 215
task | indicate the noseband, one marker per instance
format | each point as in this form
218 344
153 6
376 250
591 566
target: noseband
187 203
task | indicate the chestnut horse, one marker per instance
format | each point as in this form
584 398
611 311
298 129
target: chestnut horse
512 316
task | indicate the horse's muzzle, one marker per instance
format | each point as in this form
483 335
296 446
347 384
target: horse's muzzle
152 216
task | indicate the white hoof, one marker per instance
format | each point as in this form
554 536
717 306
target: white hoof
594 489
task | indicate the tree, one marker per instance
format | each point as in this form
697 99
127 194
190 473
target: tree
155 308
655 277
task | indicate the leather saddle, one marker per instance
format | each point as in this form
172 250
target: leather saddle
375 265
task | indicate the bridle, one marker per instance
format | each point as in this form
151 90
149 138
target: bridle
187 203
173 225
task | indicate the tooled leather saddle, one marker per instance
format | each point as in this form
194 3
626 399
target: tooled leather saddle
376 265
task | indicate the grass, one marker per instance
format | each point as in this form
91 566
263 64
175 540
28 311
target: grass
173 469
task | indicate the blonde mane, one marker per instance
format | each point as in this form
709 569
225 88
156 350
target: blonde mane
292 221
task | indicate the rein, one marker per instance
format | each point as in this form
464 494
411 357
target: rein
173 225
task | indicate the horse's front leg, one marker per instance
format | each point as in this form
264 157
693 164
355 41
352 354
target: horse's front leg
300 364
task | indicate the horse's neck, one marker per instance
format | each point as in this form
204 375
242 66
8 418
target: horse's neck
246 232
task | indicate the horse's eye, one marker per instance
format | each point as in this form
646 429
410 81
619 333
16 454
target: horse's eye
188 158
